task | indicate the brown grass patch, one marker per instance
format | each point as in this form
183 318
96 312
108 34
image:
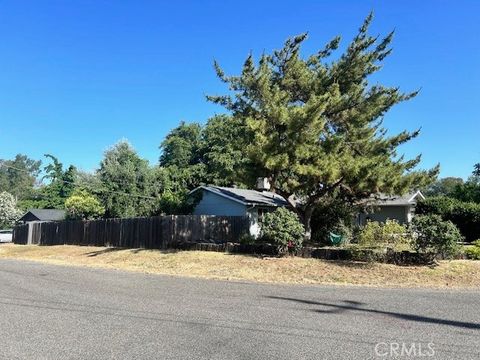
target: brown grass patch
449 274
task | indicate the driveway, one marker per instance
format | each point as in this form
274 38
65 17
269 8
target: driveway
56 312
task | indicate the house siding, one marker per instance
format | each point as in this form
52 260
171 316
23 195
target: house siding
398 213
213 204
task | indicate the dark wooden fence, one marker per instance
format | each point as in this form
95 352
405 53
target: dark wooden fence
151 233
20 234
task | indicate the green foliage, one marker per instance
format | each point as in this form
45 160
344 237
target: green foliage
448 186
335 216
224 141
473 252
60 187
465 215
177 203
469 191
283 228
83 206
388 234
9 212
182 146
247 239
434 235
213 154
19 176
317 124
126 183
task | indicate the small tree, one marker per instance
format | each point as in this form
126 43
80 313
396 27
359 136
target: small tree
283 228
9 213
433 235
83 206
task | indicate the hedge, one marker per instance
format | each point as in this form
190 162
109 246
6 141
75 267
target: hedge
465 215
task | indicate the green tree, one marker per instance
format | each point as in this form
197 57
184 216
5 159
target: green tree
182 146
470 190
444 187
213 154
317 125
19 176
126 182
83 206
60 186
9 212
224 140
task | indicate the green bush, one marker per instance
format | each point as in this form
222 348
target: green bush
391 233
433 235
465 215
247 239
335 216
473 252
283 229
82 205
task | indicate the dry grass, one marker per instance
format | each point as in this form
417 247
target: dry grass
453 274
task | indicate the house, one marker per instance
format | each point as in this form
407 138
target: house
399 208
43 215
226 201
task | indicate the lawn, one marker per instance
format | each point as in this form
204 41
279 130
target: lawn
214 265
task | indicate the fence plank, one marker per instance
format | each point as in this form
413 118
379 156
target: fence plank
159 232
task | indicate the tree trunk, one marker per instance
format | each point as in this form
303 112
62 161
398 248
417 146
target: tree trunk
306 220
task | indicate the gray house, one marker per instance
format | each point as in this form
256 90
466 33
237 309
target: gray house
399 208
226 201
43 215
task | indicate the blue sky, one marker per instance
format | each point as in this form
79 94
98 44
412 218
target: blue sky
77 76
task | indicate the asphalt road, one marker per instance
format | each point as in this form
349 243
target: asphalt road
56 312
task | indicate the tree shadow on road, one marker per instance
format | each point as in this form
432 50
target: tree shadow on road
355 306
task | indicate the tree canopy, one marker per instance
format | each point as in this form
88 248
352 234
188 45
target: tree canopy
126 182
19 176
316 125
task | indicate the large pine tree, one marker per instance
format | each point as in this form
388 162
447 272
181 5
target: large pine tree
317 124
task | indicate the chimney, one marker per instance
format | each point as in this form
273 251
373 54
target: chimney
263 184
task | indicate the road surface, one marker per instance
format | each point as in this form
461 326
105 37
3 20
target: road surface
58 312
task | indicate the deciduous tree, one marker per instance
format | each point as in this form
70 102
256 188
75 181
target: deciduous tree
126 182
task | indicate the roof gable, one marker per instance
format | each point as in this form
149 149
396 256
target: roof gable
397 200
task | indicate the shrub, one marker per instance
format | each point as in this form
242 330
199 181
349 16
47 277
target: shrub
434 235
335 216
473 252
465 215
247 239
283 229
391 233
83 206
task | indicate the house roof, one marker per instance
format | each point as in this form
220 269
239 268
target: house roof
396 200
246 197
46 214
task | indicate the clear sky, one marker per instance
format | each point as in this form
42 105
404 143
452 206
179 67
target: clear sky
77 76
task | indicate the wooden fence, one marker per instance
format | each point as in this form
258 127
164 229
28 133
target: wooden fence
150 233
